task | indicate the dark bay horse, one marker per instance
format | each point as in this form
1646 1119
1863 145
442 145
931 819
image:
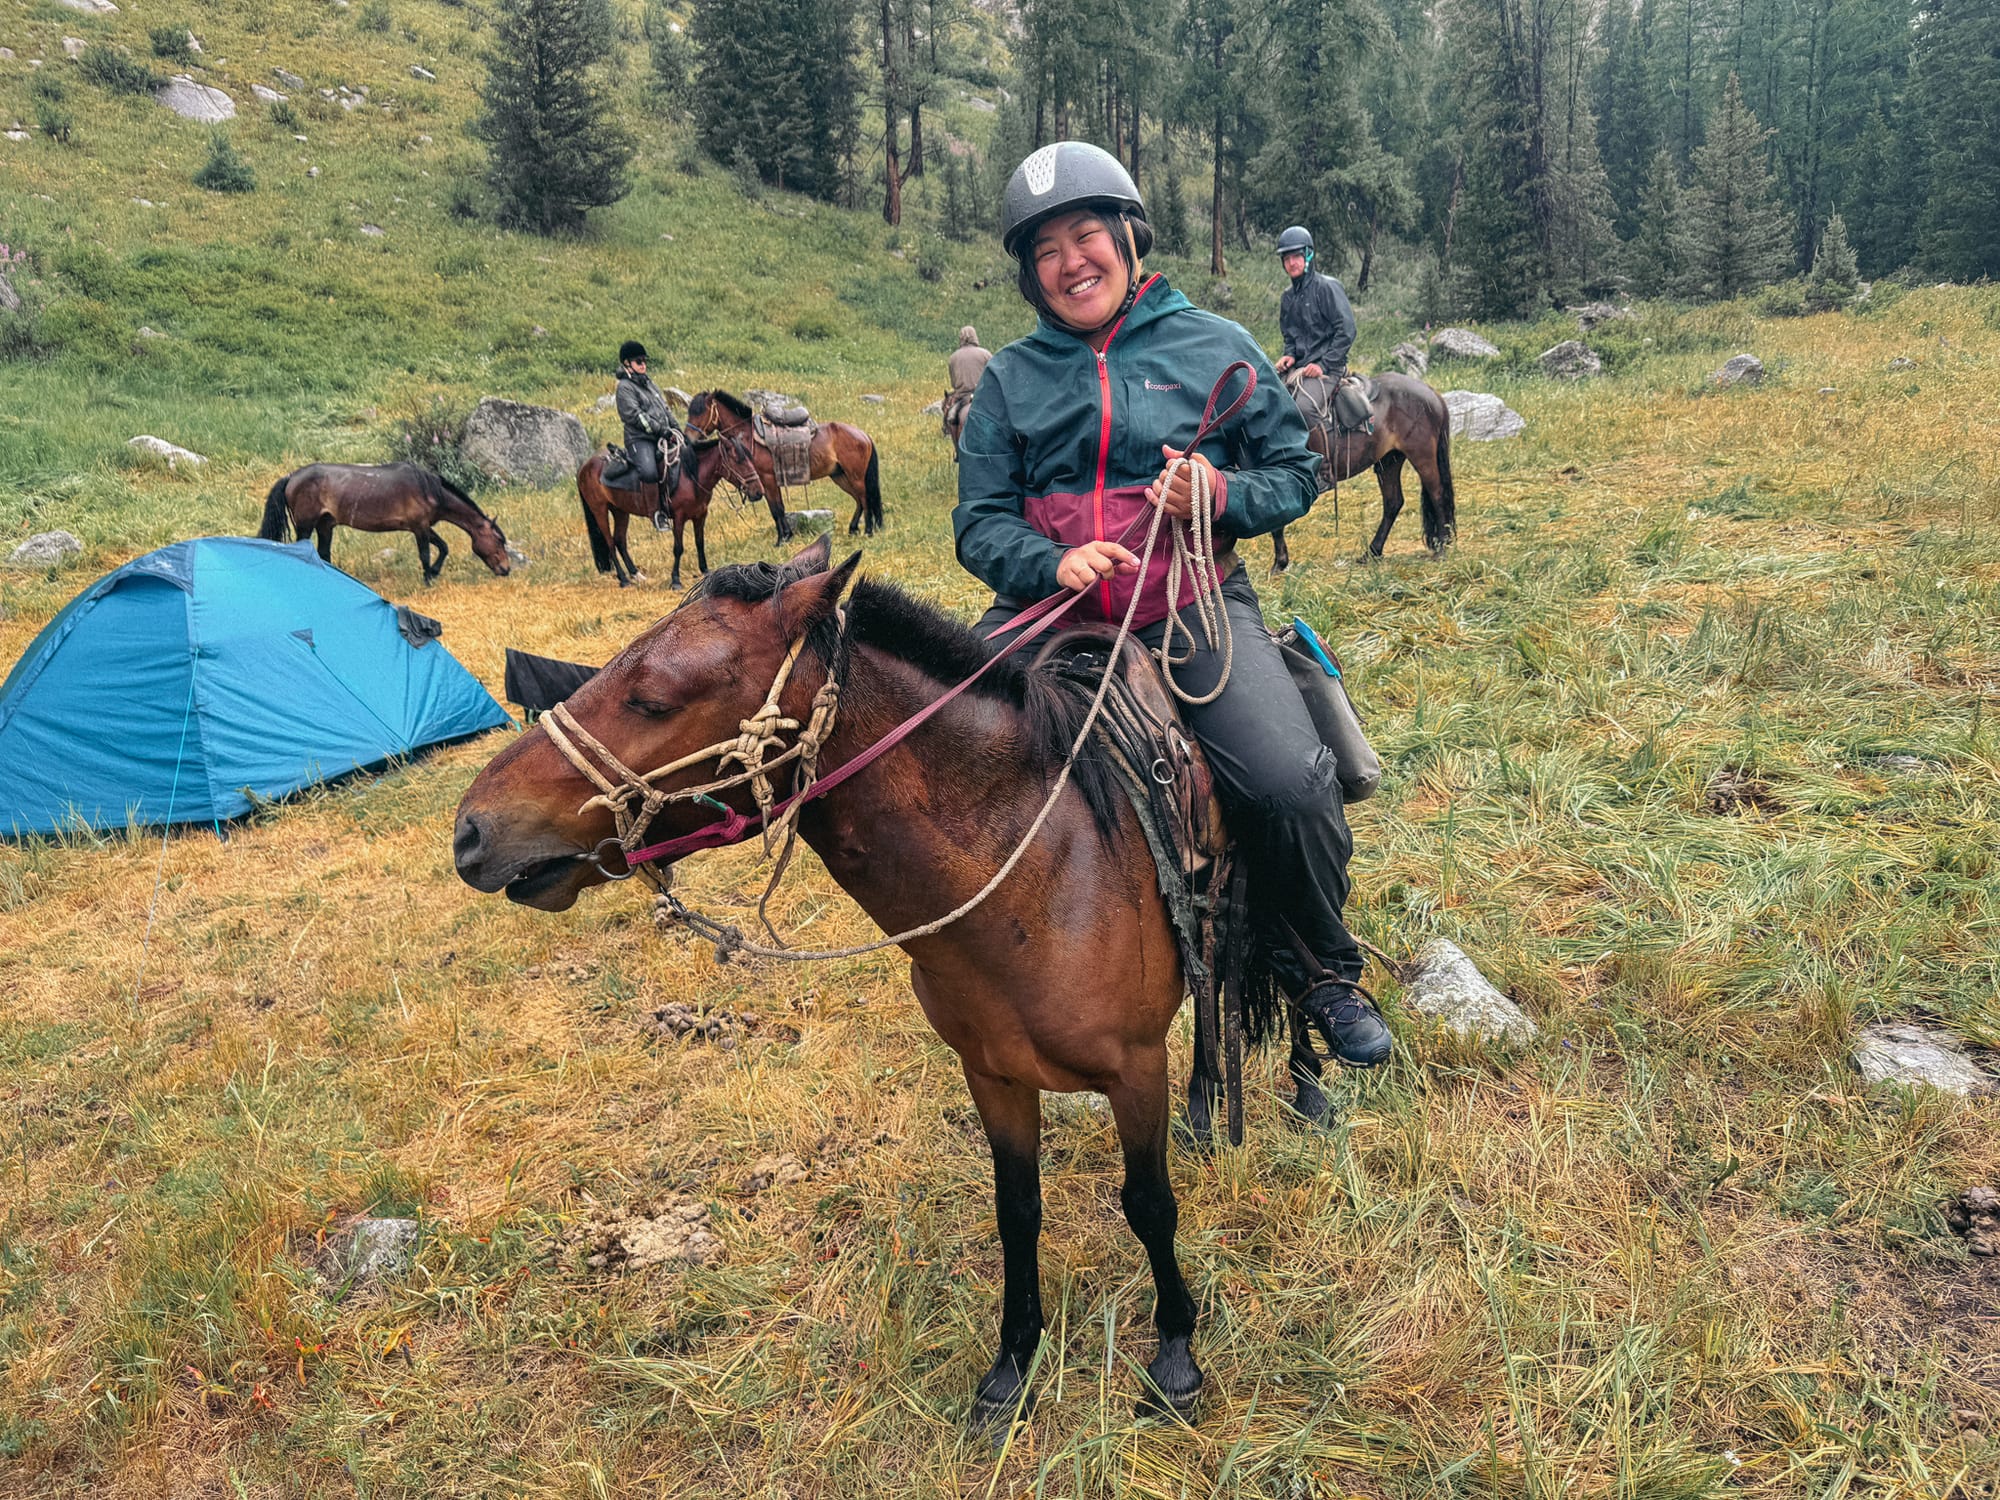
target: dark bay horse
1067 978
381 497
607 512
1411 422
840 451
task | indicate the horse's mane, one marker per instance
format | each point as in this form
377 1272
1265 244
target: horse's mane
728 402
882 616
444 487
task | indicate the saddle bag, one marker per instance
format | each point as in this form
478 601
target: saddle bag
1316 670
1350 406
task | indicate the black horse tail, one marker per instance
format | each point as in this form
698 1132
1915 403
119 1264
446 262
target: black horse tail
871 486
1447 502
600 549
277 515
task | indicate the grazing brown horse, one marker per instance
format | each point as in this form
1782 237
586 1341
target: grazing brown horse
1067 978
1411 422
840 451
381 497
607 512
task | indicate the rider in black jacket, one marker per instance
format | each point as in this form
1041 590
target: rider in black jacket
643 411
1318 326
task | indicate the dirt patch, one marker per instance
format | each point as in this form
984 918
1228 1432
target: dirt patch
1733 791
773 1172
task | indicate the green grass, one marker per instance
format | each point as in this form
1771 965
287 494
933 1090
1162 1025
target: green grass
1632 728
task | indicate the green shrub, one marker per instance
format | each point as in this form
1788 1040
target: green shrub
374 16
432 433
21 331
286 118
932 261
115 70
174 43
225 171
813 327
52 116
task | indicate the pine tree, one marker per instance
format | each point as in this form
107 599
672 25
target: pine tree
1832 283
672 57
1957 69
1500 237
1653 259
1733 236
776 82
1886 191
1170 219
553 149
1627 129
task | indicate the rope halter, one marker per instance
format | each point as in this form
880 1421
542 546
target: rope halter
634 799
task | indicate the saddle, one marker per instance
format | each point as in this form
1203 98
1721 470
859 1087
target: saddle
620 473
787 430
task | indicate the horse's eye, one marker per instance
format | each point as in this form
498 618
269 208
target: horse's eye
651 708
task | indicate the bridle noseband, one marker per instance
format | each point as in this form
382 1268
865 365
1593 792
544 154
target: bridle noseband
756 735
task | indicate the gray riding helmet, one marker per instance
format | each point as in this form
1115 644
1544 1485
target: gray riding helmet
1067 175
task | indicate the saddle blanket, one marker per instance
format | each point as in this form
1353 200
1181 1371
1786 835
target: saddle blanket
790 447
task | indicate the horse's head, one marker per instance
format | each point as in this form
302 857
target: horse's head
489 545
533 823
701 412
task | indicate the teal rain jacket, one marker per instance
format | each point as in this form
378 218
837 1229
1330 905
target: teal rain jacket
1062 442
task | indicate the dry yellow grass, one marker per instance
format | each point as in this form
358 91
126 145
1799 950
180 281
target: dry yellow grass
1672 1251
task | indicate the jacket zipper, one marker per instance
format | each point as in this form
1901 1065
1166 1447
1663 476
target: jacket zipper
1104 444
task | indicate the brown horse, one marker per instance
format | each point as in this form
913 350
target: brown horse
952 418
1411 422
1067 978
840 451
381 497
607 512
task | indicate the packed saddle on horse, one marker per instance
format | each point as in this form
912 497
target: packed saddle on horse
786 429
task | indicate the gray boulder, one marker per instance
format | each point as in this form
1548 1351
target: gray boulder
195 101
936 408
1741 369
92 7
515 442
1411 359
45 548
269 96
289 80
10 300
1591 314
1449 988
1571 360
73 46
425 74
1904 1053
1480 418
1462 343
165 451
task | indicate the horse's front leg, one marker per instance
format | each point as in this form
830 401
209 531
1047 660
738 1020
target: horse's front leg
679 524
1281 555
1012 1115
701 540
437 543
1139 1104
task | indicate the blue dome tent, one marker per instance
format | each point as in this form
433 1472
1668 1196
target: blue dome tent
212 674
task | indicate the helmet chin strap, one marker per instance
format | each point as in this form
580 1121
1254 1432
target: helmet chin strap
1031 284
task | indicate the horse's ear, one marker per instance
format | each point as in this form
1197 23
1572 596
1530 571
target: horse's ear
813 559
804 603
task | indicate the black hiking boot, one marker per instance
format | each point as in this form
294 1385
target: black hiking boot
1346 1016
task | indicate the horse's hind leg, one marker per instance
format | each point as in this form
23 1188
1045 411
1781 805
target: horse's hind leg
1437 525
701 540
1281 555
679 525
1388 474
1012 1115
1139 1103
323 538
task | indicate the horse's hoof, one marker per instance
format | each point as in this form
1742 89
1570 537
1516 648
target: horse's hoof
1309 1109
1173 1392
1193 1136
1278 571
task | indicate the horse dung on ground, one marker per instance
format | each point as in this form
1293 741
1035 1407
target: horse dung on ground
382 497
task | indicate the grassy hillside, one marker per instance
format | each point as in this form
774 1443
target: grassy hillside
1635 730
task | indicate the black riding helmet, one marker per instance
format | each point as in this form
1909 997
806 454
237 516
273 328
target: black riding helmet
1061 178
630 350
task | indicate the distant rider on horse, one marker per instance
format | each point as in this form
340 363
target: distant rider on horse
1317 322
1061 454
963 369
645 415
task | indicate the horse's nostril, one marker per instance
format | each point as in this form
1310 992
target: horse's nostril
468 841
